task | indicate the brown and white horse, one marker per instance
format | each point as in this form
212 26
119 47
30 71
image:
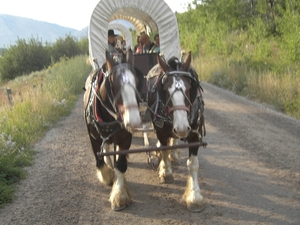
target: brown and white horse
176 106
111 114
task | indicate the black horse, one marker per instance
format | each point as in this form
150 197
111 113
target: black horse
176 105
111 114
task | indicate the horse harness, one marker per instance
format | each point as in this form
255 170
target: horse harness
106 130
160 109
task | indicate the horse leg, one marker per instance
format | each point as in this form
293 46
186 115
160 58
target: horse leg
120 196
174 153
194 200
164 169
105 171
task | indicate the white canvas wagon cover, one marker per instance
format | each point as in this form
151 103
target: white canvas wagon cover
154 14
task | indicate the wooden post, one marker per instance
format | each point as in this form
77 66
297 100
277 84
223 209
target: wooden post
9 96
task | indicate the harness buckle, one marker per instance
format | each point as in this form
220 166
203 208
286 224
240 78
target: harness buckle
159 123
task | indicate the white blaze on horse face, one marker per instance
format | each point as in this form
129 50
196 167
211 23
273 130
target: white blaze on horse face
131 114
181 125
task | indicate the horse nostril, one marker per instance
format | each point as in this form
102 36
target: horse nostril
181 132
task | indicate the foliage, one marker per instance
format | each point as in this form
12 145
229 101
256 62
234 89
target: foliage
23 58
83 45
67 47
39 102
250 47
2 50
134 37
32 55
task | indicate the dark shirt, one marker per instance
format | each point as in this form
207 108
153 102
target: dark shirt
147 48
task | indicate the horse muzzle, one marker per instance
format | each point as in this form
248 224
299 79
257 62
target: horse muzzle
181 132
181 126
131 117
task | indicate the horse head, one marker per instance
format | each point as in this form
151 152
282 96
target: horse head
176 93
123 83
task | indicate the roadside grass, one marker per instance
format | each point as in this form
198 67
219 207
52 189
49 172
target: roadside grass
278 89
39 101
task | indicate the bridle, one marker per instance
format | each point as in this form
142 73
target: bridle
161 109
117 110
178 87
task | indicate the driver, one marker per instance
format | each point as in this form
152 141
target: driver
114 52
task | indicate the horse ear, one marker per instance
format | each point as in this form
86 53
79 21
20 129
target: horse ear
129 56
163 65
109 61
187 62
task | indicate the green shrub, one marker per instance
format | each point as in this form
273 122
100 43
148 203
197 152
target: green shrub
251 49
67 47
23 58
32 55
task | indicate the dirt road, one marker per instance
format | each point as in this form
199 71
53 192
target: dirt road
249 174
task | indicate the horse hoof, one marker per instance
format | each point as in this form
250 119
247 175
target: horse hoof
192 207
167 180
118 208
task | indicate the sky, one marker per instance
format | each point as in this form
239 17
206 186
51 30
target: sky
68 13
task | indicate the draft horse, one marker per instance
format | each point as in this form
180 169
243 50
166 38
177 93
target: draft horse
111 114
176 107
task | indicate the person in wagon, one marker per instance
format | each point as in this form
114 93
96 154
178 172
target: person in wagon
139 47
146 43
114 52
155 48
123 47
111 38
138 43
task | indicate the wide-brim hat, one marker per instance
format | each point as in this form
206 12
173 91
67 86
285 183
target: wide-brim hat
111 33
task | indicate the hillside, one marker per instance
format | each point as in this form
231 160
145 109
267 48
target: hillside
14 27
